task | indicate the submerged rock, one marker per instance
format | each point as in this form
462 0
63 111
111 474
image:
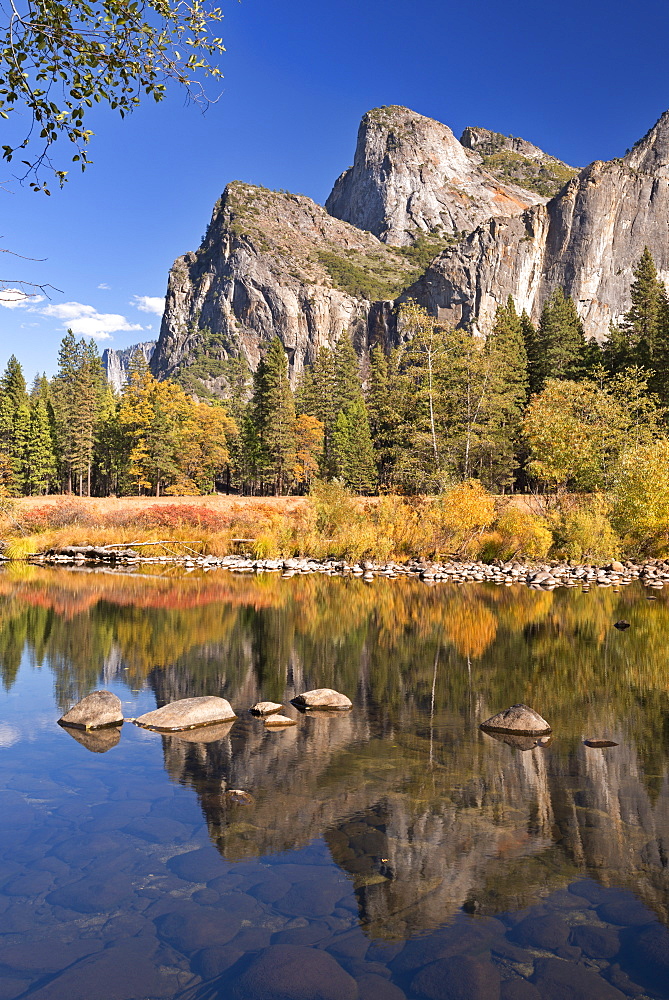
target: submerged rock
323 698
518 719
294 972
265 708
188 713
599 743
279 721
97 709
621 625
96 740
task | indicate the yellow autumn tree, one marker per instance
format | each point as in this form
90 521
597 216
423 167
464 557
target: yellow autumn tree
205 452
173 442
309 437
641 498
575 431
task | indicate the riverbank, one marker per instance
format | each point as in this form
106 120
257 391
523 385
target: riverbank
463 526
653 574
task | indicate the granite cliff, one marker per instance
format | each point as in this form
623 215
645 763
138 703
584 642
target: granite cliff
411 175
458 225
587 239
274 263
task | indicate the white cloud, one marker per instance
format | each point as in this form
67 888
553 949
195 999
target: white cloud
14 298
149 304
104 286
86 321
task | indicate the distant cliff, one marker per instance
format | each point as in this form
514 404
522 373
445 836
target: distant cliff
117 363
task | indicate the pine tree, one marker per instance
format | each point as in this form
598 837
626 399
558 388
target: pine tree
40 461
506 397
642 337
353 449
387 408
347 381
642 323
8 482
534 365
272 415
560 339
13 383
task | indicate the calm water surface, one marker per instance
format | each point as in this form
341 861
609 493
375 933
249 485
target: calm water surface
392 852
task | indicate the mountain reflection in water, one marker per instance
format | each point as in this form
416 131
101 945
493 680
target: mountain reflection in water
426 815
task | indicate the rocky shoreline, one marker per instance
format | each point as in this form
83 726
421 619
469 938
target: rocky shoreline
652 573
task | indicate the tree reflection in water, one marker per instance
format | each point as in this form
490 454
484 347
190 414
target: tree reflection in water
426 814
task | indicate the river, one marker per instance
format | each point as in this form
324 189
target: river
392 852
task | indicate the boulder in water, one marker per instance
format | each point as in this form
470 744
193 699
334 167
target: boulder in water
518 719
323 698
188 713
265 708
96 710
599 744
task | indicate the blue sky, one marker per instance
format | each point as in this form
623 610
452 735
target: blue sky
582 80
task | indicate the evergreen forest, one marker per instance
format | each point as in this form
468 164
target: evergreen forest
525 409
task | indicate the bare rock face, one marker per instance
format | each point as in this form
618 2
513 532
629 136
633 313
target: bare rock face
324 698
188 713
518 719
411 175
587 240
97 709
273 264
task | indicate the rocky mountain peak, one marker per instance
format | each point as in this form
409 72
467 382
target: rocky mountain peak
410 175
273 264
651 154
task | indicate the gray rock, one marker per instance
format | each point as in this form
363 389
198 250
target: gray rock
265 708
518 719
520 742
194 927
294 972
116 363
323 698
188 713
519 989
595 942
127 968
97 709
260 273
